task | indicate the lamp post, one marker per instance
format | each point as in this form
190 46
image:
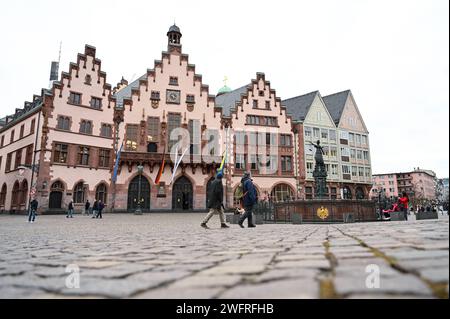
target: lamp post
138 209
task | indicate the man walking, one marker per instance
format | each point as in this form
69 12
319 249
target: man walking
33 209
86 207
101 206
70 210
215 202
249 199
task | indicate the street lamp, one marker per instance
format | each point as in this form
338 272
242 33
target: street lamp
138 209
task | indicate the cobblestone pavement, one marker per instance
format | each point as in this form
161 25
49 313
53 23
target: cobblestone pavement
171 256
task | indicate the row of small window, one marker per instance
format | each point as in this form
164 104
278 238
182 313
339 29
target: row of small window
21 133
257 162
354 153
18 161
86 127
332 169
266 105
76 99
327 134
262 120
317 133
353 138
356 171
391 190
257 138
61 154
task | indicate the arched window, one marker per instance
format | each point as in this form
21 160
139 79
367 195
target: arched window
57 186
347 192
78 193
101 193
3 194
282 193
86 127
15 194
23 192
360 193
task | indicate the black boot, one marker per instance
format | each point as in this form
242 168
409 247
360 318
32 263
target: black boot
224 226
204 225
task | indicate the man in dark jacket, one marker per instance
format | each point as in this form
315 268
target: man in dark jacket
70 210
101 206
250 198
33 209
215 202
95 209
86 207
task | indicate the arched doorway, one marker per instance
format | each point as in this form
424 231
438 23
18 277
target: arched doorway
56 194
208 190
282 193
347 192
182 194
133 194
359 193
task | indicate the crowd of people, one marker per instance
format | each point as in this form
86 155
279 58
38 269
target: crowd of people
95 210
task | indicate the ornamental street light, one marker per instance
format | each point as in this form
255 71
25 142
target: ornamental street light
138 209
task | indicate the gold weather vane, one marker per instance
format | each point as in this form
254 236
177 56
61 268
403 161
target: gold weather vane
225 79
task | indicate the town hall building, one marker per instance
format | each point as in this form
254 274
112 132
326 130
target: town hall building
63 145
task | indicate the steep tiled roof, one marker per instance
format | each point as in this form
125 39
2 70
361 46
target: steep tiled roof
126 91
227 101
299 106
335 104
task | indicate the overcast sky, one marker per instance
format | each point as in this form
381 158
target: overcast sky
392 54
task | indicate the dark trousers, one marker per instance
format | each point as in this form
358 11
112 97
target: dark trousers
405 211
248 214
32 215
99 215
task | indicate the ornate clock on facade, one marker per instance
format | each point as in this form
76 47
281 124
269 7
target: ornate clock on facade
173 97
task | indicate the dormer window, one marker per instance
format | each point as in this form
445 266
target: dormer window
255 104
155 95
267 105
173 80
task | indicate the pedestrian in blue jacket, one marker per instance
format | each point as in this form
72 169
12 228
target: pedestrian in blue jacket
249 199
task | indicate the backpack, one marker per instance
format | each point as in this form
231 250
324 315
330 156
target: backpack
239 191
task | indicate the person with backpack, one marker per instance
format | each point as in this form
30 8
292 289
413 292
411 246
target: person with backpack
33 209
249 200
215 202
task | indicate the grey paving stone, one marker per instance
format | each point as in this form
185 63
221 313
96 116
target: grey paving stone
282 289
310 263
402 284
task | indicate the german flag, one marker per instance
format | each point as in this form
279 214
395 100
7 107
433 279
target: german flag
161 167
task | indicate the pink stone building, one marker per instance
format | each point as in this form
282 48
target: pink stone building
419 184
63 145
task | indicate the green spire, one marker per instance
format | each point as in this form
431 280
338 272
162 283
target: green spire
225 88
